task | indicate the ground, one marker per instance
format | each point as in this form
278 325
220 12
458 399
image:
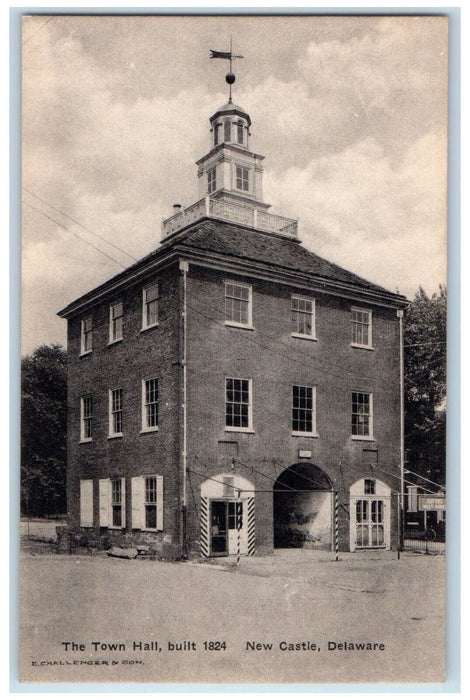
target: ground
292 597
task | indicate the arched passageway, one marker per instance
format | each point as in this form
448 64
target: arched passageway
302 502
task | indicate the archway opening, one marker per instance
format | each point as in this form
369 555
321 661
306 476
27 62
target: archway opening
302 503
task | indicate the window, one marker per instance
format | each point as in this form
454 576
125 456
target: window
237 304
150 404
240 131
361 328
116 502
86 339
147 502
86 417
211 180
86 503
216 134
115 322
150 306
115 412
238 409
242 178
369 486
227 130
361 418
303 317
303 410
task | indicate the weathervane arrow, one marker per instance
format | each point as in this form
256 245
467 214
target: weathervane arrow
229 56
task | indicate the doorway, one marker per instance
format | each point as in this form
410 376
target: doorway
227 528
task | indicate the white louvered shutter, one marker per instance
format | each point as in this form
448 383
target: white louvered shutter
105 502
159 502
86 503
137 494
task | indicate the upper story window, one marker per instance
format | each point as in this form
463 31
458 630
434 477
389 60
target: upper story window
86 418
242 178
361 415
303 410
369 486
115 412
216 134
150 306
240 131
238 304
303 317
149 404
361 328
238 404
211 180
227 130
86 336
115 322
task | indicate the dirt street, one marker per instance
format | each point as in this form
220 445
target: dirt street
184 622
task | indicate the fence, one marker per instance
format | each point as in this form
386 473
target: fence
430 541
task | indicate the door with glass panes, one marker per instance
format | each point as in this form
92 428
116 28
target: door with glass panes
370 522
228 530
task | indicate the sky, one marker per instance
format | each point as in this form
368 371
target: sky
350 114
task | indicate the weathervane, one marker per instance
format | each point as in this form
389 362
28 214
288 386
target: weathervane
229 56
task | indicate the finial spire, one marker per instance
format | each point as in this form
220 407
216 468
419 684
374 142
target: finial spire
229 56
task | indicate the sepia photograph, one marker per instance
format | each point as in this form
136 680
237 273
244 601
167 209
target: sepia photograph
233 349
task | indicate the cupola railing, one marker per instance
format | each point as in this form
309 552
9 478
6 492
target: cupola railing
231 212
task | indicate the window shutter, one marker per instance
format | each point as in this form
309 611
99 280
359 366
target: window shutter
159 502
86 503
137 493
105 502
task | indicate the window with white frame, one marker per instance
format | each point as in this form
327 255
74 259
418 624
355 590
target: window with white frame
303 317
147 502
242 178
211 180
303 410
86 418
112 502
115 412
150 306
361 415
86 337
117 502
227 130
238 404
115 322
149 404
361 327
237 304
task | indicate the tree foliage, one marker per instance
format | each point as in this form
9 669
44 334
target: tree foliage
43 431
425 384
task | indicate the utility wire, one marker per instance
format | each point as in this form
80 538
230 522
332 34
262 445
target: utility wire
74 234
102 238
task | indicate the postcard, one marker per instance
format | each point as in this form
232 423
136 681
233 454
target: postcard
233 349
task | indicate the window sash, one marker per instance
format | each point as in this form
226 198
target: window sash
86 335
115 321
240 132
237 403
116 502
150 403
242 178
237 304
227 130
211 180
303 409
361 414
303 316
116 412
87 417
150 305
361 326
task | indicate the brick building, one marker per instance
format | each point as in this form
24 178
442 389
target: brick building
233 390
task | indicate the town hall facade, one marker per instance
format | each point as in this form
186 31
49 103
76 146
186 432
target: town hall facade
233 392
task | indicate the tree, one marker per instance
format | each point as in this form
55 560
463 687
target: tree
43 431
425 384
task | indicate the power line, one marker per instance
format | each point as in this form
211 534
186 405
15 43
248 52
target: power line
102 238
74 234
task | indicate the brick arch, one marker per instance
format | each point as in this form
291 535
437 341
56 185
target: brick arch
303 476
